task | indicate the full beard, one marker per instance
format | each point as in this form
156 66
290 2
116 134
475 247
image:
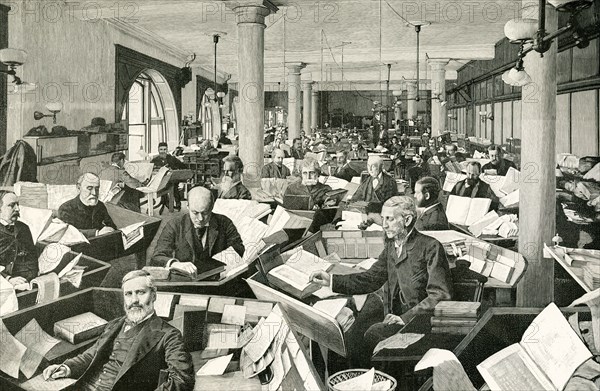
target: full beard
137 313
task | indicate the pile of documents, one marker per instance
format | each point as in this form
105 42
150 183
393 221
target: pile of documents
491 261
236 209
34 195
586 261
455 317
492 224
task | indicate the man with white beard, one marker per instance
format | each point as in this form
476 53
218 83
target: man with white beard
414 266
231 186
133 349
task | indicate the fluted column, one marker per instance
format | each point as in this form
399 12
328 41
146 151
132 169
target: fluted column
307 112
294 98
438 92
411 93
250 16
314 108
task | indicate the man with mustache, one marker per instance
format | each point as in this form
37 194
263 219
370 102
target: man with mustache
343 169
195 237
85 212
498 165
413 265
379 186
276 169
309 187
473 186
231 186
133 349
431 213
18 254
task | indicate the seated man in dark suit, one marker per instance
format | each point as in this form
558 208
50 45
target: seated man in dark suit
128 197
18 255
415 268
343 169
231 186
498 165
296 151
85 212
418 171
133 349
431 214
474 187
452 155
192 238
379 186
276 169
357 152
309 186
165 159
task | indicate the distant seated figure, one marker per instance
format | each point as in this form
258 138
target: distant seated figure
128 197
309 186
473 186
276 169
343 169
498 164
224 140
357 152
165 159
335 143
296 151
418 171
430 151
18 254
452 154
379 186
85 212
195 237
231 186
133 349
431 215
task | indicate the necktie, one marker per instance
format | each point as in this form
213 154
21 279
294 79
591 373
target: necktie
129 325
200 234
10 228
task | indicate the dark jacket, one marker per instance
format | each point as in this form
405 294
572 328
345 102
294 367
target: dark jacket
480 190
170 161
316 194
361 154
157 346
18 254
345 172
501 169
18 164
177 240
386 188
420 276
433 219
237 192
271 170
128 197
87 219
297 153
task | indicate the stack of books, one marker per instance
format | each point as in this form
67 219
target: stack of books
354 244
34 195
455 317
591 275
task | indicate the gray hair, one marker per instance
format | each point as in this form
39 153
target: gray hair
86 175
375 160
139 273
403 205
311 163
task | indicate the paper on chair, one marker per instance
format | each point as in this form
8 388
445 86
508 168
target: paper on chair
234 314
397 341
215 367
8 296
10 363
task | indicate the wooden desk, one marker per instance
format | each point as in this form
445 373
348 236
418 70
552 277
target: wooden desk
575 272
509 243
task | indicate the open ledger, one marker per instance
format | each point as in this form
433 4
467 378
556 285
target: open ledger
293 276
545 359
465 210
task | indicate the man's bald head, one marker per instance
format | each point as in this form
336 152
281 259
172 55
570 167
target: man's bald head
200 204
278 156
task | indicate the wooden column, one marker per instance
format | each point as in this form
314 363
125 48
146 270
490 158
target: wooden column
307 112
438 89
250 17
294 99
537 180
314 108
411 93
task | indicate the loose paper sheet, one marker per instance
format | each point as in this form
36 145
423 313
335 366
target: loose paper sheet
448 372
8 296
397 341
162 305
215 367
38 344
234 314
36 219
330 307
38 383
363 382
222 336
51 256
10 363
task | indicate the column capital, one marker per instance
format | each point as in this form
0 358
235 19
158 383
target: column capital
307 85
295 67
438 64
251 11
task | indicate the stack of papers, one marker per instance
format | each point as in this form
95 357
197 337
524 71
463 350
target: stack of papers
33 195
236 209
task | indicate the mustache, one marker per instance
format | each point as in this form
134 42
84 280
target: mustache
132 306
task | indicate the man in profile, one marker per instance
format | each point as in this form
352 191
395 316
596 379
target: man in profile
195 237
431 214
18 254
231 186
276 169
128 197
498 165
133 349
86 212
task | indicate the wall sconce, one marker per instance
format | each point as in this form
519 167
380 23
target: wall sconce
13 58
53 107
452 116
484 115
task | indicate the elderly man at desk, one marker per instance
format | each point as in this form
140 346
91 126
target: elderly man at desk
86 212
133 349
231 186
276 169
379 186
164 159
431 214
343 169
309 189
498 165
195 237
18 255
473 186
413 265
128 197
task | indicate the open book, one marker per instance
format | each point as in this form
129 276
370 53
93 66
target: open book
293 276
153 185
465 210
545 359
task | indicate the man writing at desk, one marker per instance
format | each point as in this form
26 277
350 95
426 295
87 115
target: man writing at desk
413 265
195 237
85 212
18 254
133 349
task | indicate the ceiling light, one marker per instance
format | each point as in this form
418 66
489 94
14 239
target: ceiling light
570 5
517 30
